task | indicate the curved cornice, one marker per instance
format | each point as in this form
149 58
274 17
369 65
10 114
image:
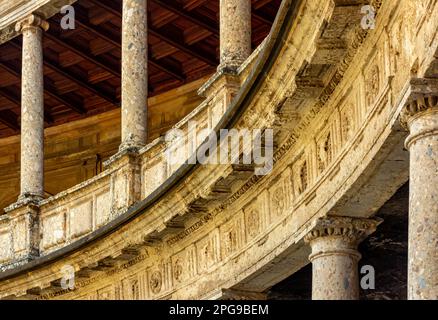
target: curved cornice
263 64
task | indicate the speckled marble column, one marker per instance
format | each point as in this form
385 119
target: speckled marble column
420 116
134 73
235 33
335 258
32 108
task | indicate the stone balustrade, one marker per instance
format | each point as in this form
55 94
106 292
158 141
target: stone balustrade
81 210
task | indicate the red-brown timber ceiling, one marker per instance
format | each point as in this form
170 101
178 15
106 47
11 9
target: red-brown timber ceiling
82 66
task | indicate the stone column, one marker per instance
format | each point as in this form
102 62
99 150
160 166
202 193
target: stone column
420 116
32 108
235 33
134 73
335 258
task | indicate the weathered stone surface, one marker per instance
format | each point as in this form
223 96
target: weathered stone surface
134 73
421 116
335 257
235 33
32 108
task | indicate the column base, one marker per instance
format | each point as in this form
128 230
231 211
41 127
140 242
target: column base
230 68
29 198
129 147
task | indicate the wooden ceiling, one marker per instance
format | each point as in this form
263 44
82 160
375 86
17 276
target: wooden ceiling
82 66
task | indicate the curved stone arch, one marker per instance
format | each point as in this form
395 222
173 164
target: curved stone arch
319 169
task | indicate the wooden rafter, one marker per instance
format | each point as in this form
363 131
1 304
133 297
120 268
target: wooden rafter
198 20
169 39
9 119
63 72
17 102
49 91
102 35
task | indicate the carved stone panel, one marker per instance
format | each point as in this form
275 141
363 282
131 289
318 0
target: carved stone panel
160 278
20 234
372 84
232 235
153 176
156 282
325 146
256 216
107 293
184 265
102 208
53 230
81 219
132 288
348 114
120 191
301 174
281 196
207 250
5 244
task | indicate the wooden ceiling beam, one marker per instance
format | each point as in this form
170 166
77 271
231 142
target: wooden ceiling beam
261 18
177 74
17 102
10 119
85 55
171 40
200 21
109 8
182 46
90 87
50 92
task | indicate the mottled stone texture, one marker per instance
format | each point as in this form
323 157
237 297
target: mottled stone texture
335 257
32 108
422 143
134 73
235 33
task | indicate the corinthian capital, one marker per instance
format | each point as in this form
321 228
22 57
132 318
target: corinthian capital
423 97
32 21
415 106
350 230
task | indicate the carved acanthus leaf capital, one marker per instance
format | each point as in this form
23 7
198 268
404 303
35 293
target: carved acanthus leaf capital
32 21
417 105
351 229
423 96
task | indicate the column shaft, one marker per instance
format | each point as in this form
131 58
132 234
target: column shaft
423 199
334 257
32 108
235 33
134 73
335 270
